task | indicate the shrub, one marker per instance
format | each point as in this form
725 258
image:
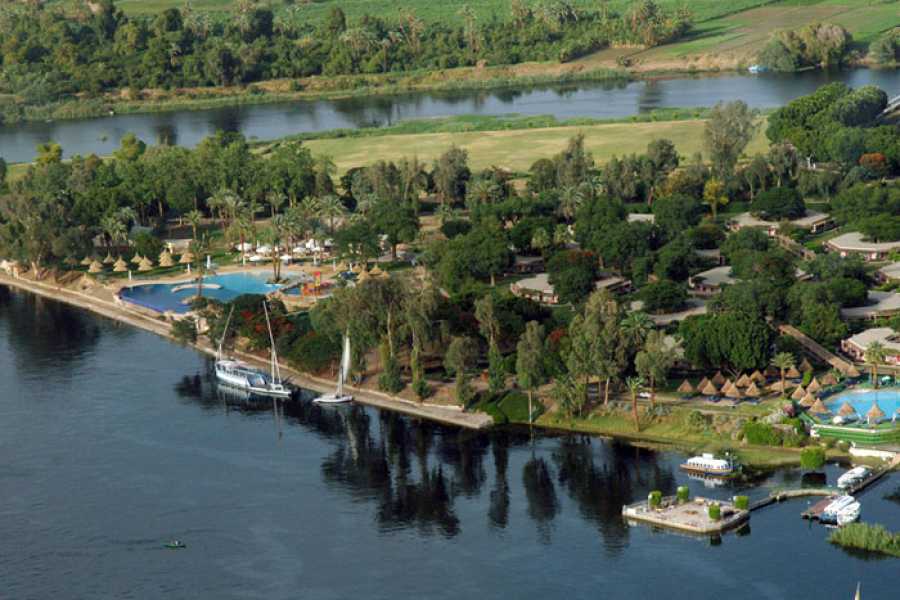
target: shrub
874 538
761 434
515 406
779 203
147 244
697 421
185 330
455 227
313 352
741 502
683 494
654 498
812 458
715 511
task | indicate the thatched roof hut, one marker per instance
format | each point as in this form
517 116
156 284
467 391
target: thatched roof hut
798 393
120 265
86 261
109 259
686 388
734 392
186 258
805 366
703 383
165 259
829 379
146 265
363 276
743 381
758 377
808 400
875 413
728 386
776 387
793 373
95 267
718 378
846 410
710 389
136 259
819 408
752 391
814 386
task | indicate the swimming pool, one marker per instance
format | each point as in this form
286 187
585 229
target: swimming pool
174 297
888 400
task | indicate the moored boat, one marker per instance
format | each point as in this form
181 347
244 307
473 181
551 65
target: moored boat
707 464
848 514
247 378
852 477
830 514
338 396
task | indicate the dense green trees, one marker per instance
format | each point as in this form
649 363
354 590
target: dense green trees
730 339
572 273
779 203
817 45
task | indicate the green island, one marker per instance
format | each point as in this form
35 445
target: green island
696 281
78 58
872 538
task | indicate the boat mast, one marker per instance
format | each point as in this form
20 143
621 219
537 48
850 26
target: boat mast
224 332
276 373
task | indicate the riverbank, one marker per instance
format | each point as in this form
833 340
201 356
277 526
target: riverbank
118 312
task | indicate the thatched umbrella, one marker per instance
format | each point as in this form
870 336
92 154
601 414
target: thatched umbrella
875 413
758 377
829 379
710 389
377 273
743 381
146 265
357 268
819 408
792 373
776 387
729 385
808 400
734 393
363 276
703 383
686 388
95 267
798 393
814 386
109 259
165 260
846 410
136 259
120 266
86 261
718 378
805 366
752 391
186 258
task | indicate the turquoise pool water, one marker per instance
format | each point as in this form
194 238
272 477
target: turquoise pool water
161 297
888 400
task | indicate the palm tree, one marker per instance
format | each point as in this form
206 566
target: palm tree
308 211
113 230
783 361
194 218
275 200
331 208
875 355
634 385
635 329
654 361
242 226
570 198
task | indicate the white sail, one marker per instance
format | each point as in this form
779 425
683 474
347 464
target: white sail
345 360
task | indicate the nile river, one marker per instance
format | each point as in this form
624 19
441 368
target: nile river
115 441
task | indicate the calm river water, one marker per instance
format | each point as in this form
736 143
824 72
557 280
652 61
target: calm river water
269 121
114 441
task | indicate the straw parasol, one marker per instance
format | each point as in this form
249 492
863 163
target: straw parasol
776 387
685 387
363 276
814 386
186 258
136 259
805 366
146 264
120 266
718 378
703 383
798 393
875 413
86 261
752 391
95 267
846 410
792 373
377 273
165 259
743 381
729 385
710 389
758 377
734 393
819 408
357 268
808 400
829 379
109 259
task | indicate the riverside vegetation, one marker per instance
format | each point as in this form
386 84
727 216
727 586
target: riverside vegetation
451 326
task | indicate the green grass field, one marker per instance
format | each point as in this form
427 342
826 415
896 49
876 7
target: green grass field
516 150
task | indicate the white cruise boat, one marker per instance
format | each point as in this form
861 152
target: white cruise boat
830 514
707 464
848 514
242 376
338 396
852 477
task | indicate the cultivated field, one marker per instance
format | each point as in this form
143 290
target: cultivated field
518 149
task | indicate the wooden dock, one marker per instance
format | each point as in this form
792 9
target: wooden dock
815 511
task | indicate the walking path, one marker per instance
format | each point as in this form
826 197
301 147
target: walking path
123 313
817 350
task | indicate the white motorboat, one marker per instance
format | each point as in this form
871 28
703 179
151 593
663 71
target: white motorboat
339 397
242 376
852 477
848 514
707 464
830 514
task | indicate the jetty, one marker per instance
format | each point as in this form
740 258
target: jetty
815 511
690 517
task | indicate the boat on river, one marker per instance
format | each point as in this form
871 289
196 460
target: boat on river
338 396
830 514
707 464
849 514
852 477
244 377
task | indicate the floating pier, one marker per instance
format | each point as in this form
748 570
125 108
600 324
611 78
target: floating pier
691 516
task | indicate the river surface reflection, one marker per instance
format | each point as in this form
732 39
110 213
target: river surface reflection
115 441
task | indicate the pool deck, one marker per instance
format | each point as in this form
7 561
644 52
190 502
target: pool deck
690 517
102 301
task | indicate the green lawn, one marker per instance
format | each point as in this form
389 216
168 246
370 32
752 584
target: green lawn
518 149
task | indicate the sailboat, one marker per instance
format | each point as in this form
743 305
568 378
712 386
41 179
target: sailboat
339 396
242 376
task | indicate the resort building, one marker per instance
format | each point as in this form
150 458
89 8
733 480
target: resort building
853 243
711 282
813 222
888 273
856 346
538 288
881 304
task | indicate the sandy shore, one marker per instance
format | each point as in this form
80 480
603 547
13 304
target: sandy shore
113 309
